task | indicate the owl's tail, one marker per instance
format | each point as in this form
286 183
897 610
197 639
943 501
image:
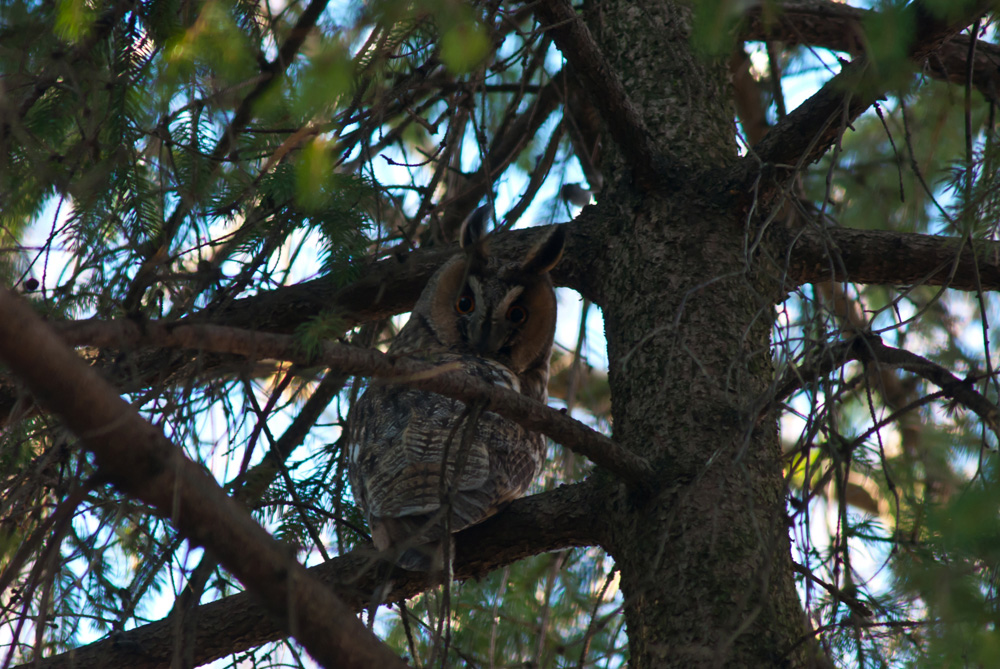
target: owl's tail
414 542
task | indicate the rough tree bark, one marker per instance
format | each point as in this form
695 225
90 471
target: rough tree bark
688 287
688 304
705 561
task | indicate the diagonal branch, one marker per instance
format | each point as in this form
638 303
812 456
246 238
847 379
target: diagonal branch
249 487
871 350
138 460
442 379
840 27
808 131
623 120
868 348
563 518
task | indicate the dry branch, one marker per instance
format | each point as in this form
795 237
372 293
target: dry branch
138 460
350 360
809 130
504 150
890 258
554 520
392 285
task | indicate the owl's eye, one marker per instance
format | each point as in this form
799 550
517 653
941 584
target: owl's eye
465 304
517 315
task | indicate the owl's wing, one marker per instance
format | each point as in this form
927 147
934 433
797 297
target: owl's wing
412 456
401 439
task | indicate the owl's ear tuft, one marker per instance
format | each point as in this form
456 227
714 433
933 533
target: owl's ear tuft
546 253
473 232
472 235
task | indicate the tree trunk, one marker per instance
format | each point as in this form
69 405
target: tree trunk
704 558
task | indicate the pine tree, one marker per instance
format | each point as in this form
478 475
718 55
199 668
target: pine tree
780 451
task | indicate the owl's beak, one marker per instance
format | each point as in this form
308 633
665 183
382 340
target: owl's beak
489 337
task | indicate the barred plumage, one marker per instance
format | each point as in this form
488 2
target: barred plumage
494 320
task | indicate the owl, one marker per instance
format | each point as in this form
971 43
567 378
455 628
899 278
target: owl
423 466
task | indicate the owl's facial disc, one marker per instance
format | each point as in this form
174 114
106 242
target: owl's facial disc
491 329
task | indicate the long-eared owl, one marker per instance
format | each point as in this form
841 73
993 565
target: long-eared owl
422 465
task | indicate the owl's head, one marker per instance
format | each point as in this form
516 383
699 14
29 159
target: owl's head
504 310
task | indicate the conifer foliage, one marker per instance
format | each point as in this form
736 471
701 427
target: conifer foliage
773 411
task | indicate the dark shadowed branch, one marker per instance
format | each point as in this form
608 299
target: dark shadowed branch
443 379
840 27
555 520
11 117
392 285
808 131
889 258
138 460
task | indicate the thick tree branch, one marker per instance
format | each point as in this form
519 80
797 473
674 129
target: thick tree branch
889 258
136 457
623 120
392 285
388 287
249 487
808 131
441 379
840 27
563 518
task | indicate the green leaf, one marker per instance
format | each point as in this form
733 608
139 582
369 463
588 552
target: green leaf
216 41
313 170
464 46
74 19
714 25
890 34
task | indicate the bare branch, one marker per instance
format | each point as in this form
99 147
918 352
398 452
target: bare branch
440 379
836 26
138 460
554 520
868 348
890 258
623 120
808 131
504 150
